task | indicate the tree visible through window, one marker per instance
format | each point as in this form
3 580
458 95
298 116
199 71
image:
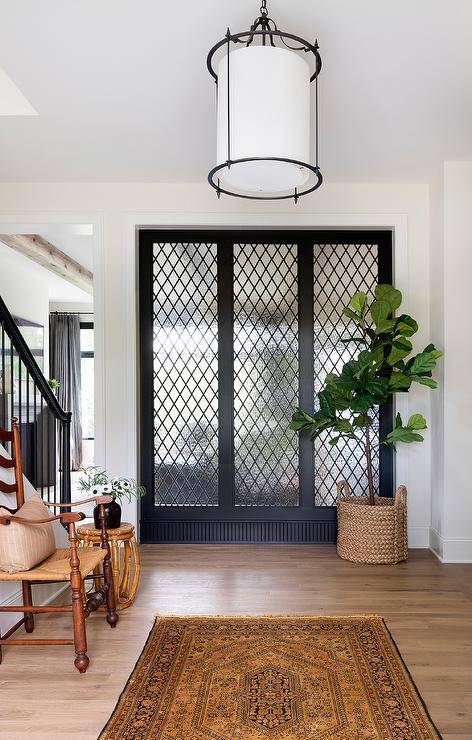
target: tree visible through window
87 373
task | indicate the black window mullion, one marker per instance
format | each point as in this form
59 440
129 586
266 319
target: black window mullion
225 375
146 461
306 366
386 411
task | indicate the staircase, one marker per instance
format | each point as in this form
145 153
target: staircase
44 426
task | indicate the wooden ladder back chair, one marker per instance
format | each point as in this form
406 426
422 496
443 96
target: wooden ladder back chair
62 566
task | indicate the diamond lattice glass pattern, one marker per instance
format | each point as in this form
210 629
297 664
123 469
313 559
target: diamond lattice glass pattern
185 357
265 374
340 270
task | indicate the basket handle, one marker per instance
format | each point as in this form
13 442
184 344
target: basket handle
343 485
400 496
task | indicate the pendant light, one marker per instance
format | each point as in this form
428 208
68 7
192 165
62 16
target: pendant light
267 144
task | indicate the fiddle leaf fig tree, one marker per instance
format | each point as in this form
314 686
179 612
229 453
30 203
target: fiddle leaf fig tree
382 368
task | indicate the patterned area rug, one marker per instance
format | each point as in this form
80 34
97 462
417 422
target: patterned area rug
268 678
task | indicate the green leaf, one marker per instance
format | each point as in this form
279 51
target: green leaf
424 362
341 396
417 421
399 382
362 421
390 295
403 434
316 432
386 327
349 368
351 314
378 354
433 350
401 348
362 402
379 311
377 387
327 403
347 384
365 360
359 303
343 425
425 380
301 420
406 325
406 434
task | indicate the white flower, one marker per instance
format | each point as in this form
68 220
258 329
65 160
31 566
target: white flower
101 488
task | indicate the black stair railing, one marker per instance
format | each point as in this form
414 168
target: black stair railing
44 425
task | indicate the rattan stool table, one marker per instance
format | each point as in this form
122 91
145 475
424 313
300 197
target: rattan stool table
125 569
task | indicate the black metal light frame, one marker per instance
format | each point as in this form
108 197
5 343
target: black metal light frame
265 28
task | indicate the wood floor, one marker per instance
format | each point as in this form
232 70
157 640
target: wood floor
428 608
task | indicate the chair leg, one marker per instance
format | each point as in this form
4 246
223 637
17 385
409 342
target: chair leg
112 616
78 617
28 601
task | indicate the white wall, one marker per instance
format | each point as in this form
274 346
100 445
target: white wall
118 208
453 540
437 337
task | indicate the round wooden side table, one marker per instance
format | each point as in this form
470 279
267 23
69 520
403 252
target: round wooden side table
125 569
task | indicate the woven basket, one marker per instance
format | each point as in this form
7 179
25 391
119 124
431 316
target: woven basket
372 534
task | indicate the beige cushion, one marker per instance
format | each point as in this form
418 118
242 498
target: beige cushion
22 546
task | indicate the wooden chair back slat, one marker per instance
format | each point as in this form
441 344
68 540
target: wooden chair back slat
6 436
6 463
8 487
16 463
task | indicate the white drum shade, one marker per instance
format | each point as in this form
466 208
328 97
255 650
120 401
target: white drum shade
269 117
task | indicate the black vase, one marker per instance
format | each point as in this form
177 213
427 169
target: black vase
112 515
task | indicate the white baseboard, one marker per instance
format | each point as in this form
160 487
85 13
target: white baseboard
450 549
418 538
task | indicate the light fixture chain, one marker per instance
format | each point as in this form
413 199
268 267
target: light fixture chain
263 8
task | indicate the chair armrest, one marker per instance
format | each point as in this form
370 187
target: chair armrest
66 518
95 499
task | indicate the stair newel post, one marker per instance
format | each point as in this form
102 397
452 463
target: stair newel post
80 640
112 616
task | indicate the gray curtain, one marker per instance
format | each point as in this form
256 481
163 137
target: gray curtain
64 363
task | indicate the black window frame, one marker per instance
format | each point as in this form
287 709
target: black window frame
305 523
89 354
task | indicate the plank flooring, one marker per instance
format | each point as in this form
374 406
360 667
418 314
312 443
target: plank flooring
428 608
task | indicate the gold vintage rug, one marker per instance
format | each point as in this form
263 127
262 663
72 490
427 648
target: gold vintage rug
270 678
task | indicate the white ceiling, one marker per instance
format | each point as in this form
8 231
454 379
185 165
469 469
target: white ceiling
123 94
77 246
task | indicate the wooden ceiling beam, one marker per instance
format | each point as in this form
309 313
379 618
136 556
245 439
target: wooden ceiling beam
47 255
